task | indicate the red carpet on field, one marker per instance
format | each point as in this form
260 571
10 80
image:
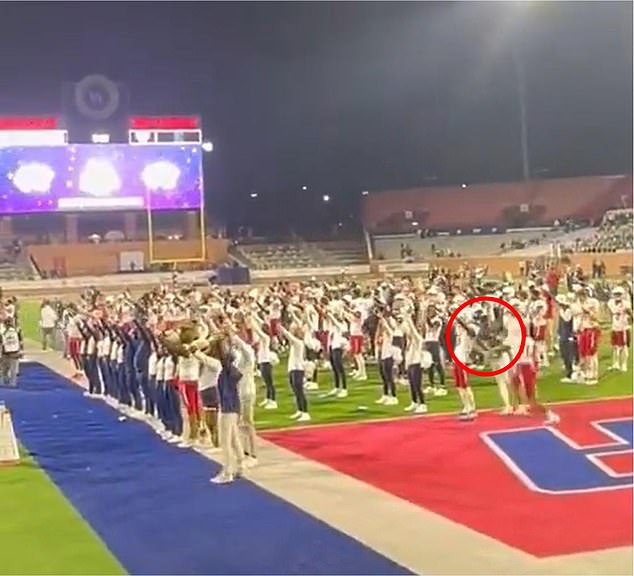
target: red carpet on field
444 465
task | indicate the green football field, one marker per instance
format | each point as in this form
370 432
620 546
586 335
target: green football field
42 533
360 403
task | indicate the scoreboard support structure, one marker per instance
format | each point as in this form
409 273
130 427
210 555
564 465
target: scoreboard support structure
166 131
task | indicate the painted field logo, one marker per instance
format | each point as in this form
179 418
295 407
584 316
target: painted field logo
548 461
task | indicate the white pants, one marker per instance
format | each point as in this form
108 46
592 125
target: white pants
247 422
232 452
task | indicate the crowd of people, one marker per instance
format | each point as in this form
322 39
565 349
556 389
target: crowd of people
188 360
614 234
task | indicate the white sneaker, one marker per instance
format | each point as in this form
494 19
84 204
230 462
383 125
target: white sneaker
272 405
592 382
305 417
222 479
311 386
428 389
296 415
382 400
250 462
411 407
421 409
263 403
521 411
333 392
440 391
392 401
361 378
342 393
506 411
185 444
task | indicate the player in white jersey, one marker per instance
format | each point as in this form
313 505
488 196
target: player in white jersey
356 320
464 333
588 338
621 322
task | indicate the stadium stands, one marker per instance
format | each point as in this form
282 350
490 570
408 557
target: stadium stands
271 256
503 205
389 247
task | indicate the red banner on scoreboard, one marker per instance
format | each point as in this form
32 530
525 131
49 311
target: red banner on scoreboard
164 123
28 123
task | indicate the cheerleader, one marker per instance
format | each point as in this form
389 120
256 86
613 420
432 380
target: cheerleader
245 363
413 358
264 357
433 330
311 365
356 344
211 367
338 344
187 374
296 358
175 423
386 351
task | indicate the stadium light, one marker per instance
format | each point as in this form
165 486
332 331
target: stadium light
325 198
364 193
100 138
415 224
304 188
253 194
463 186
207 146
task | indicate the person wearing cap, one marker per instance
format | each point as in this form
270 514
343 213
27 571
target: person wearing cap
621 321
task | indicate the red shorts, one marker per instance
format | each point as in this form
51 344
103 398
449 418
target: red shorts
526 376
620 338
588 342
74 345
460 377
539 333
189 392
274 326
356 344
322 336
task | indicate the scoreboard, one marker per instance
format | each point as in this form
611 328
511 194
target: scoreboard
164 130
26 131
142 131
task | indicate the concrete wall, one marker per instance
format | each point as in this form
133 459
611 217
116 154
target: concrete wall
86 259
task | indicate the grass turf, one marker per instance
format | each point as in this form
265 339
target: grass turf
359 405
41 533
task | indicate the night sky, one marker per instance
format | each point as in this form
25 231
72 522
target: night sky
345 97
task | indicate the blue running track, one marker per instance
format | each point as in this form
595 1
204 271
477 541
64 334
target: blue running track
152 504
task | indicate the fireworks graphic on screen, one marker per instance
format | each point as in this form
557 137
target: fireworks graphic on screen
33 178
99 178
161 175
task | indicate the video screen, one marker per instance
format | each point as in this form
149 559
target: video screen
88 177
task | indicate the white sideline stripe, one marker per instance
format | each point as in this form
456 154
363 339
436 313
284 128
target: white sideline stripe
414 537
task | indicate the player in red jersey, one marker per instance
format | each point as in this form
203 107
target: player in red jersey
621 321
525 381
